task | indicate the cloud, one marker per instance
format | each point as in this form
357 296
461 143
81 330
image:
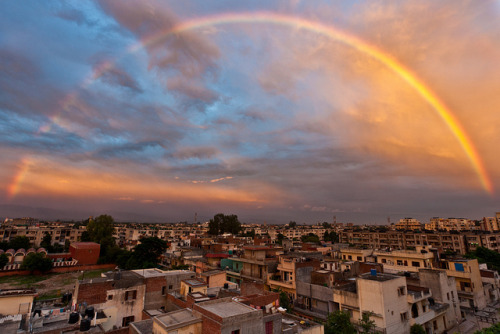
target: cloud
184 59
115 76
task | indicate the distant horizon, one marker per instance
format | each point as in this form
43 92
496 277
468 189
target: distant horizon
119 218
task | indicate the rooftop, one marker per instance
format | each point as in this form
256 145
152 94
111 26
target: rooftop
226 309
194 282
177 319
378 277
154 272
143 327
85 245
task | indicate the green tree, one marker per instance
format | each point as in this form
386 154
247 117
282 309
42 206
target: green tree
4 259
145 255
367 325
20 242
222 223
4 245
101 230
417 329
36 261
485 255
339 322
285 301
311 237
46 241
495 329
292 224
279 239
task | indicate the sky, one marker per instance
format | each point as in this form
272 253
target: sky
271 110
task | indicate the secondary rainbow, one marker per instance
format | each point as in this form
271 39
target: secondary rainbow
340 36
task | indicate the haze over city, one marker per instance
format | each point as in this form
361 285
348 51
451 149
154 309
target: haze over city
271 110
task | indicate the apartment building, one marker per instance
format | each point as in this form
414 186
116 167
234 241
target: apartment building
408 224
391 303
468 281
460 243
405 260
450 224
290 269
258 262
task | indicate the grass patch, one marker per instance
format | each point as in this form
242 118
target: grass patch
25 281
92 274
50 295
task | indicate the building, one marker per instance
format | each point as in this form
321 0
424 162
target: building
290 269
258 261
120 298
392 304
15 309
468 281
408 224
85 252
405 260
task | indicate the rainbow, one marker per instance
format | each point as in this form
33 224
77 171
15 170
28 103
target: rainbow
14 187
337 35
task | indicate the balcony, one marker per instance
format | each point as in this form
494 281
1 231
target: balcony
416 296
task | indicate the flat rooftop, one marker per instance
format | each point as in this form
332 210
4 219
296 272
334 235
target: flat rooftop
194 282
227 308
177 318
154 272
380 277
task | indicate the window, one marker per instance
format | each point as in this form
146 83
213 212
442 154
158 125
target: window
400 262
127 320
170 287
401 291
448 295
131 295
110 297
163 290
415 264
236 331
350 257
435 325
404 316
359 258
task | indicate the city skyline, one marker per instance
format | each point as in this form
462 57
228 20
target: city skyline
274 111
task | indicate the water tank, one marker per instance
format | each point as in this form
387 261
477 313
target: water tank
89 312
373 272
73 318
84 325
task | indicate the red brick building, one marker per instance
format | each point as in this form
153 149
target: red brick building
85 252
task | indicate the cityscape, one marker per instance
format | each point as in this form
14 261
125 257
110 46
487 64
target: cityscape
249 167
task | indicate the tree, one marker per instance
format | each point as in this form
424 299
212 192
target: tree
46 241
485 255
339 322
367 325
20 242
222 223
285 301
292 224
495 329
417 329
101 230
326 225
4 259
144 255
311 237
279 239
331 236
36 261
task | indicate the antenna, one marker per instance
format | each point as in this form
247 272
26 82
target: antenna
195 217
